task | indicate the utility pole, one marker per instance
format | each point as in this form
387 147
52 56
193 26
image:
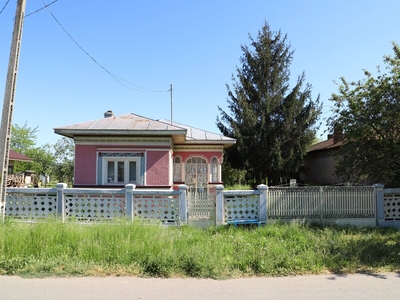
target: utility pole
170 89
8 105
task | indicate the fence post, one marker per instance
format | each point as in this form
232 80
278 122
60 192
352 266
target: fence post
220 208
262 206
61 200
129 201
183 211
321 203
380 209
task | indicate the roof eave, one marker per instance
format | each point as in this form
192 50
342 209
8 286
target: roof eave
114 132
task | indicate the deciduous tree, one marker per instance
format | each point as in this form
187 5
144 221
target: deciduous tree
64 165
368 112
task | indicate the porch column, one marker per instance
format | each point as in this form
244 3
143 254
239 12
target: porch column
61 200
220 209
183 205
262 206
129 201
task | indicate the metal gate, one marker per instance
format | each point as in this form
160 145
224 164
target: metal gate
201 206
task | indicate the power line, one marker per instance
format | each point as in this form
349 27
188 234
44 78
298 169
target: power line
47 5
120 80
5 5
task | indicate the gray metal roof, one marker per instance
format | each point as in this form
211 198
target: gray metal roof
194 134
135 125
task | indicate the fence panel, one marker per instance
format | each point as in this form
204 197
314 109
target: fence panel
94 205
349 202
241 205
293 203
156 207
22 203
391 205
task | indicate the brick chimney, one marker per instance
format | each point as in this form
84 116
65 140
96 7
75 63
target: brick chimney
108 114
337 134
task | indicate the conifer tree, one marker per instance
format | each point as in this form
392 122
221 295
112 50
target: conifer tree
273 123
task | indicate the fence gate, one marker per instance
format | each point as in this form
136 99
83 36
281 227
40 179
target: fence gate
201 206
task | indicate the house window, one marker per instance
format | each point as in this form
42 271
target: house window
121 168
177 170
214 170
121 171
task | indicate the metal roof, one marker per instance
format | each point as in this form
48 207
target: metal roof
135 125
14 155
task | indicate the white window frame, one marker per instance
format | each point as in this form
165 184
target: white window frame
126 161
214 170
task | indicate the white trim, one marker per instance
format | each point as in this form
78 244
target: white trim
184 148
105 180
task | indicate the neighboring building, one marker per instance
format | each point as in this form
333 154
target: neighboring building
117 150
319 166
13 157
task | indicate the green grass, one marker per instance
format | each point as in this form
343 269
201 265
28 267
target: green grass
53 248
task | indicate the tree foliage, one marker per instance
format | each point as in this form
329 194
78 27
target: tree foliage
54 160
368 113
23 138
272 122
64 160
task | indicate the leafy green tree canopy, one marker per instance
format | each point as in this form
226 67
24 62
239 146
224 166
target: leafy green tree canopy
64 152
367 111
23 138
272 122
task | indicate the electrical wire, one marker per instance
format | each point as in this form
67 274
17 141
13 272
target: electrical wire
5 5
115 77
46 5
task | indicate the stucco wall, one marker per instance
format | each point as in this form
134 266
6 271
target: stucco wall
85 165
158 163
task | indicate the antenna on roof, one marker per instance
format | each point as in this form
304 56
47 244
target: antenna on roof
170 89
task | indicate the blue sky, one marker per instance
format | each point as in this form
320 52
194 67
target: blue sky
195 45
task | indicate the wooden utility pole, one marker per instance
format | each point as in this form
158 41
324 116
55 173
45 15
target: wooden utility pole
8 105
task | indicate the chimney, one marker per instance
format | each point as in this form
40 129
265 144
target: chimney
337 134
108 114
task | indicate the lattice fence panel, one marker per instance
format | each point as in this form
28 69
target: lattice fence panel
95 207
391 206
30 206
156 207
293 203
241 207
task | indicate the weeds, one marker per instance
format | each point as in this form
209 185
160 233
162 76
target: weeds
53 248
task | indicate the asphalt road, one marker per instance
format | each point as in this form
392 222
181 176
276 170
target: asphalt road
384 286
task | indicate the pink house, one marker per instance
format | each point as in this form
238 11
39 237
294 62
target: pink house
117 150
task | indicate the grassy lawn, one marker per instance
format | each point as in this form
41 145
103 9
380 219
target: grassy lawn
53 248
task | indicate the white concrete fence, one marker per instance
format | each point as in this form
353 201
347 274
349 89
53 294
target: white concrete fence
359 206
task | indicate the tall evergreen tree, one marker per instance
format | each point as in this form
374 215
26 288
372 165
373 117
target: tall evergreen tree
273 123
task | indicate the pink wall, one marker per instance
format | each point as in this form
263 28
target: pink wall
157 168
157 164
85 164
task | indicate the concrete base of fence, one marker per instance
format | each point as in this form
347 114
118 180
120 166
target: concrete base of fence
357 222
